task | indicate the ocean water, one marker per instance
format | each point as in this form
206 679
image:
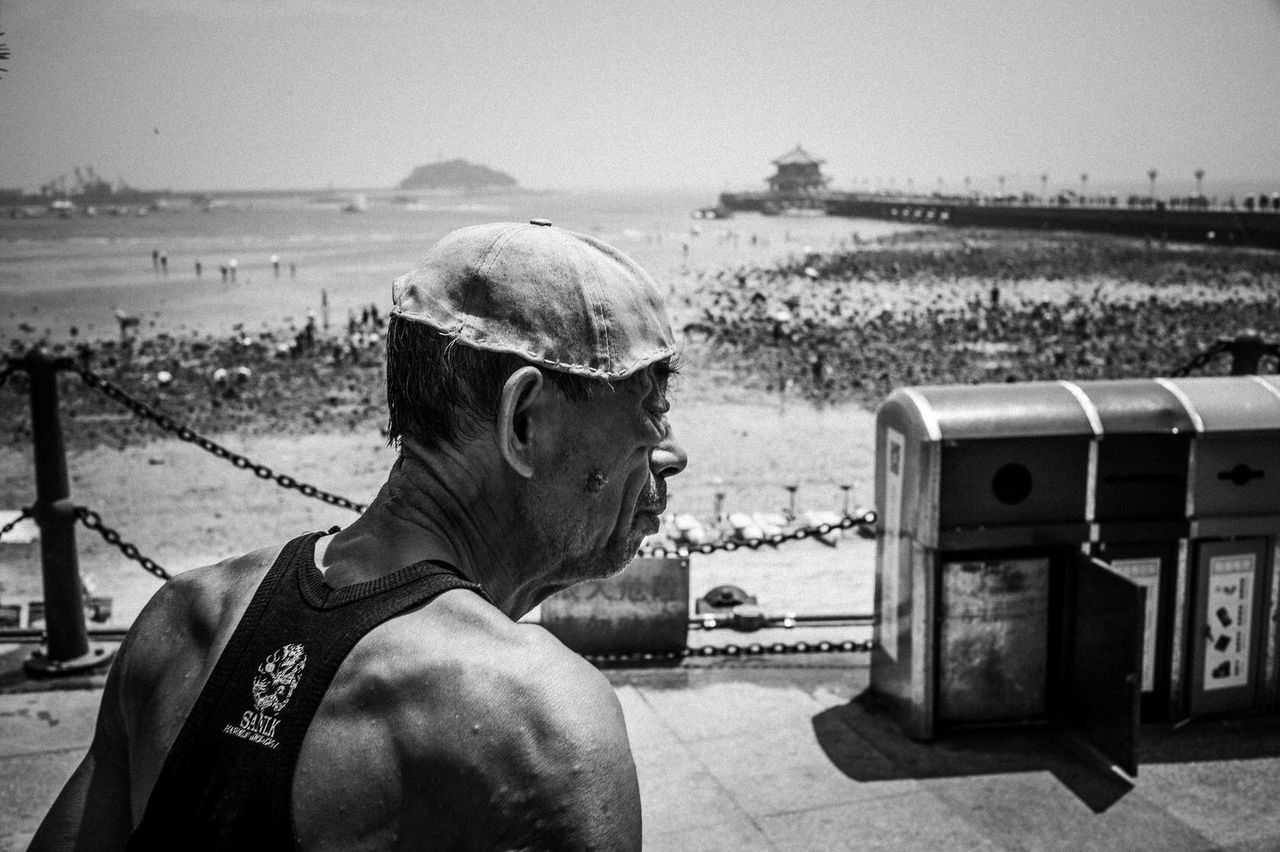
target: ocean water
56 274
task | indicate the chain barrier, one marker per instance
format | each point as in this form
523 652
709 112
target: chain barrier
93 521
755 649
22 516
866 519
184 433
1202 360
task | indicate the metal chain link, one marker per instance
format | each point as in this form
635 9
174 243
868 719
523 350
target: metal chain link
866 519
755 649
93 521
8 528
184 433
1200 361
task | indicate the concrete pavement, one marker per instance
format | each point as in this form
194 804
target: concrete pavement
779 753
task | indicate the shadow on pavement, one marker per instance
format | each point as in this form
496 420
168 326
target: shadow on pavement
867 745
1211 738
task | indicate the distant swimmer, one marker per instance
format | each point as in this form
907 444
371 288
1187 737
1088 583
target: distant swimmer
128 324
224 273
198 267
155 259
164 262
275 264
232 265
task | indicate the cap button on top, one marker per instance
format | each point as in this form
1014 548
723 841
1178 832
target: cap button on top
545 223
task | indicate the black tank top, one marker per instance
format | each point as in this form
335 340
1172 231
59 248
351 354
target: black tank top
226 782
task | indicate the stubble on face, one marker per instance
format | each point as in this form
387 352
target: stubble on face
590 510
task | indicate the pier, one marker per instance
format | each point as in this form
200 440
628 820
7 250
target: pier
800 188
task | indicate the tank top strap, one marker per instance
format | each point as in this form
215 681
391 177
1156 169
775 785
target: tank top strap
236 645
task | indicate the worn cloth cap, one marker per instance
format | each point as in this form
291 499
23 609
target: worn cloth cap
558 299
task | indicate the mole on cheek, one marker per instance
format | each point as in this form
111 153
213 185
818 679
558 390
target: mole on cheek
596 481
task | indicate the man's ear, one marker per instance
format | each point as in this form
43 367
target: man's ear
523 413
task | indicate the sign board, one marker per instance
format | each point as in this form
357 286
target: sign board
643 609
1226 625
1229 609
891 565
1146 574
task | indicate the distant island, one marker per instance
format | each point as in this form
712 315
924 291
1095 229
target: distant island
457 174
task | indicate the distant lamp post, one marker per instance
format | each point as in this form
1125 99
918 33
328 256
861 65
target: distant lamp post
1152 175
1000 180
1200 183
1084 183
1044 186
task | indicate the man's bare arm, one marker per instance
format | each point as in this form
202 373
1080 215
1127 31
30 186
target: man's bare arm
577 764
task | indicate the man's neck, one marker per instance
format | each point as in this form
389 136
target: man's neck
434 506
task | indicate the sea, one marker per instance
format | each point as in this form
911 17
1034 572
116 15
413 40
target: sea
300 254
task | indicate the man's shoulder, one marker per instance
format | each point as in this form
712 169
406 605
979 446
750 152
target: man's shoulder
459 672
465 650
204 594
194 612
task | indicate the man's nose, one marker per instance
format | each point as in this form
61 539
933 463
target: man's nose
668 457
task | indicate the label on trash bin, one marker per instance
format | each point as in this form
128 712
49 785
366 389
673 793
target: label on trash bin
1228 629
1145 573
895 447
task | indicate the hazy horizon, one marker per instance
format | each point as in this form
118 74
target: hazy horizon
664 96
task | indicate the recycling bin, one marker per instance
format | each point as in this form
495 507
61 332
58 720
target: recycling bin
1233 505
989 607
1140 518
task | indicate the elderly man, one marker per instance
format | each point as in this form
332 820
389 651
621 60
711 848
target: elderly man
370 688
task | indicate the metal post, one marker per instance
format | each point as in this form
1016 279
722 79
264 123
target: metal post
1247 351
67 648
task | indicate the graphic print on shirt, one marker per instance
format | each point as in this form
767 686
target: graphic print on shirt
273 686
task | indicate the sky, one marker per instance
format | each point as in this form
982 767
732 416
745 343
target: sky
641 94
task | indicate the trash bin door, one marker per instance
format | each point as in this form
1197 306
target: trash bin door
1104 685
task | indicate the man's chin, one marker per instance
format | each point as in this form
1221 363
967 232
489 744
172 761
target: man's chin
646 524
620 559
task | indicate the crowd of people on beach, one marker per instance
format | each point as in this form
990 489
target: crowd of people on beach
847 323
275 380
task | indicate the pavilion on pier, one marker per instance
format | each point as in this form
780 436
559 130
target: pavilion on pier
798 174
